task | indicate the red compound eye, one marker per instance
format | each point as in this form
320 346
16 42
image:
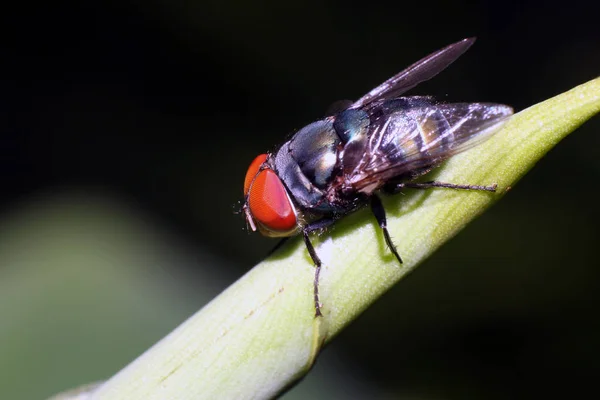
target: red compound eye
268 201
253 171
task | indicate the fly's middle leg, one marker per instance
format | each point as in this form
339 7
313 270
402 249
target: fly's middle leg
379 213
395 187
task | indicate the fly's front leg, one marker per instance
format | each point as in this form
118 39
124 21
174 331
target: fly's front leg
278 245
379 213
315 226
317 261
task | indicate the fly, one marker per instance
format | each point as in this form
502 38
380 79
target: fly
380 143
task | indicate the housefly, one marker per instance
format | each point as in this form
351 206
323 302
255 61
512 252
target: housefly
380 143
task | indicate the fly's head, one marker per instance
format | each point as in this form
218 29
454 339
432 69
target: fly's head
268 206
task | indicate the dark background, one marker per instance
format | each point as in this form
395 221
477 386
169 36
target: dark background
161 105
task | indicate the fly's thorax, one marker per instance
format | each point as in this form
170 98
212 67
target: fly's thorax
306 164
351 125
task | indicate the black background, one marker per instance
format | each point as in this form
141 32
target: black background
166 103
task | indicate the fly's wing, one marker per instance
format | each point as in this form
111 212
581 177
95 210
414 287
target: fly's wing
403 141
420 71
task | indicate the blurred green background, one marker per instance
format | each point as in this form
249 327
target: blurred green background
127 128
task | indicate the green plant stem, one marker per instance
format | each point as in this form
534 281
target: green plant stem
260 335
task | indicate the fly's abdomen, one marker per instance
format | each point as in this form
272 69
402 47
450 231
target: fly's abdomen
414 132
407 136
397 133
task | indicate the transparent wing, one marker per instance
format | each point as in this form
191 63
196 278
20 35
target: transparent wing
420 71
404 141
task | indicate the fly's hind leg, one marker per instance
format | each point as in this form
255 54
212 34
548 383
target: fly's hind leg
396 185
435 184
379 213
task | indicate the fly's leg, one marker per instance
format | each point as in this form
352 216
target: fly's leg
317 261
315 226
379 213
278 245
392 188
435 184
